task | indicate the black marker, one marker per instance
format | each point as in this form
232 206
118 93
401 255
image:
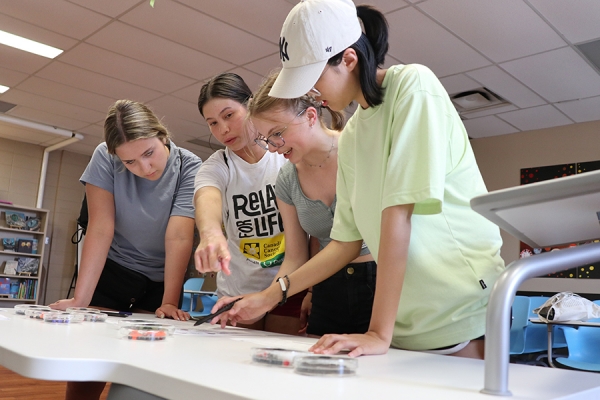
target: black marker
220 311
122 314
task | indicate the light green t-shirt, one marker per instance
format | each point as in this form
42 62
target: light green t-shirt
413 149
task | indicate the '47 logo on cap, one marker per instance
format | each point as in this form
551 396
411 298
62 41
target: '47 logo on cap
283 49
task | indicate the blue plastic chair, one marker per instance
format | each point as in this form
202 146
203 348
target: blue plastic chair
584 348
520 313
190 300
527 337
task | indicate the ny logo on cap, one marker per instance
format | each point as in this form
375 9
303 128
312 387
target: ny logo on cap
283 49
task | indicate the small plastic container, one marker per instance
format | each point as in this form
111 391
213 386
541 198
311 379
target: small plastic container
128 322
62 317
21 308
94 316
36 314
146 331
82 309
316 365
275 357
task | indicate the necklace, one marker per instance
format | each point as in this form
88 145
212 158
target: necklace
326 158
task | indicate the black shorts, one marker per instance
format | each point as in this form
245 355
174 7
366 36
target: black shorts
343 302
123 289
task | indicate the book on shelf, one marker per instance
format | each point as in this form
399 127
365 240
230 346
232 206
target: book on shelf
25 246
10 267
18 288
28 265
16 220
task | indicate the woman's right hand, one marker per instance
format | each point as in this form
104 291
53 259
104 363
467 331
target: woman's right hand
66 303
249 309
212 254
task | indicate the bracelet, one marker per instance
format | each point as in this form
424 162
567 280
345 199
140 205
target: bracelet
284 289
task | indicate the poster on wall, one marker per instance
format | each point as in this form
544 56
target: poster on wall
539 174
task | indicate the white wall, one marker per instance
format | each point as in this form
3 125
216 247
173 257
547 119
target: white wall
501 158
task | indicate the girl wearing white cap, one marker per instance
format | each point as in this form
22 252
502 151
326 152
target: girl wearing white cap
406 174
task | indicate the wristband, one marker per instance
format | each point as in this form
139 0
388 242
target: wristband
284 290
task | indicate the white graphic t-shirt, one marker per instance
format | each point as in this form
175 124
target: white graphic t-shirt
250 216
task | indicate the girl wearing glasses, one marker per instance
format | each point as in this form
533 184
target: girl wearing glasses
406 174
235 190
306 196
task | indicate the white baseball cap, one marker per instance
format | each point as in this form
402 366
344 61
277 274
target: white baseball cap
313 32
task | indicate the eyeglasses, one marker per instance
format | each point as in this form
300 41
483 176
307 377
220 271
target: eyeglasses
274 139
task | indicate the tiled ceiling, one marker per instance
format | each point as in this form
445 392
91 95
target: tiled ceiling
525 51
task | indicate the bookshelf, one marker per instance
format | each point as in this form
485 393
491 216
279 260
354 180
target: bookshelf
22 244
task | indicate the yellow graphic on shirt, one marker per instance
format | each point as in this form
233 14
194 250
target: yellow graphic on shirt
269 251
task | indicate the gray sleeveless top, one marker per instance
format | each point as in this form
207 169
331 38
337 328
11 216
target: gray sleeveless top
315 217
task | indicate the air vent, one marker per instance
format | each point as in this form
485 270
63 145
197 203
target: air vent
213 145
476 100
5 107
591 51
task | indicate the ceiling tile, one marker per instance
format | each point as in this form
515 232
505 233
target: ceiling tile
556 75
576 20
487 126
166 54
513 29
32 32
112 8
102 61
535 118
250 18
57 15
385 6
15 132
252 80
443 53
67 94
490 111
81 148
182 129
581 110
168 107
506 86
47 118
18 60
189 27
93 82
96 130
189 93
459 83
11 78
51 105
265 65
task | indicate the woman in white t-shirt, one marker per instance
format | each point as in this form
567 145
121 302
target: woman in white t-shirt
241 233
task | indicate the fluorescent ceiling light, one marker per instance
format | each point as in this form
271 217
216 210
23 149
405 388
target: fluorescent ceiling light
31 46
3 88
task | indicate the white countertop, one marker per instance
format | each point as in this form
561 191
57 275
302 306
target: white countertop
217 365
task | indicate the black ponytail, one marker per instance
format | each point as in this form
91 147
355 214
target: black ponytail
371 48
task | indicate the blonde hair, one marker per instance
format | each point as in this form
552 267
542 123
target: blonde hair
128 120
261 102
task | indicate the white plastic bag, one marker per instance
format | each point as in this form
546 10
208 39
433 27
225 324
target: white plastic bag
567 306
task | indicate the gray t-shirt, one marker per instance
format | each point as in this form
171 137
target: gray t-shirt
315 217
143 207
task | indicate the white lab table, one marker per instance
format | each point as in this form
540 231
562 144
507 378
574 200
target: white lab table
219 366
